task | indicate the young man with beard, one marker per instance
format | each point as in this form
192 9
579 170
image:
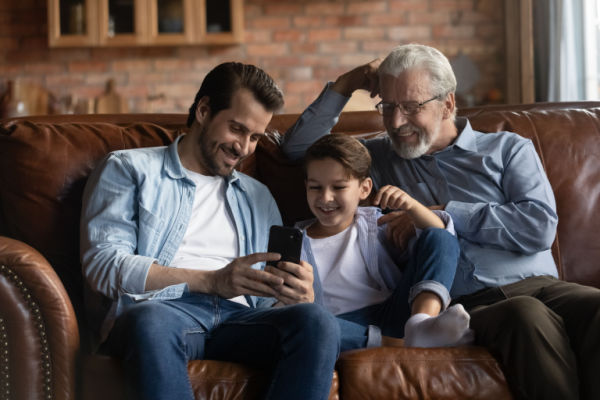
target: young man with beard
543 331
173 240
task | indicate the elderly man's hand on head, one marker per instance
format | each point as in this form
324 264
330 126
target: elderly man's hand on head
363 77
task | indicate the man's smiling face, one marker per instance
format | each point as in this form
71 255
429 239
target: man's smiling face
222 141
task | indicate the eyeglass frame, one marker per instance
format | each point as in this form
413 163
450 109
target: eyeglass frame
400 106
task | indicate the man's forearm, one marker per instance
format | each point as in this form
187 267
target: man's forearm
524 218
526 227
160 276
315 122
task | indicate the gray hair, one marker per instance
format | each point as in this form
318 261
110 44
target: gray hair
432 60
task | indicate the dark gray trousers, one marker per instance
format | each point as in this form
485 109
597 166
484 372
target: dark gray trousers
544 332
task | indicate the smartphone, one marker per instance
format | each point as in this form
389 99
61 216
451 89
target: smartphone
286 241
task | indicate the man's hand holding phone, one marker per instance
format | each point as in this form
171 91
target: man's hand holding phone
238 278
297 275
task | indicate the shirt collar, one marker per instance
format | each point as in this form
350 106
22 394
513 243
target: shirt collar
466 138
234 179
172 164
175 169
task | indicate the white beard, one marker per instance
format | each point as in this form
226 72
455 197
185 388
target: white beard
410 151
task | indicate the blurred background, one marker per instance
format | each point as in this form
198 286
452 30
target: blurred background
150 56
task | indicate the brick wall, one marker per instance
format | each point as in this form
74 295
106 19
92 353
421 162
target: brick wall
301 43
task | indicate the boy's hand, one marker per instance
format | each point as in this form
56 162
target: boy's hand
393 197
399 229
298 282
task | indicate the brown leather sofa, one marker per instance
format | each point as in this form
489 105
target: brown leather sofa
44 162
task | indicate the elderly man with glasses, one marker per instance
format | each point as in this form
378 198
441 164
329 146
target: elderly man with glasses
542 330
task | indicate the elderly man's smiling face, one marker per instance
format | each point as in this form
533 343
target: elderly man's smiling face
420 133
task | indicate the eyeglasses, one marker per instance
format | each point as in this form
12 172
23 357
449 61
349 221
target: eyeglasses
406 108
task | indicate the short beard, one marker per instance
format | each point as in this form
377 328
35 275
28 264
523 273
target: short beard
410 151
208 158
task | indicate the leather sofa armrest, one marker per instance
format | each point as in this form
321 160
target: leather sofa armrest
39 336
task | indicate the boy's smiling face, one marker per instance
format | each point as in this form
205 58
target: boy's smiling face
333 196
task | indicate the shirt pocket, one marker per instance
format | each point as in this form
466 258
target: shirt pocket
150 227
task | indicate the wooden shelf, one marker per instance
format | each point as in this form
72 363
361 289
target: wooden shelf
108 23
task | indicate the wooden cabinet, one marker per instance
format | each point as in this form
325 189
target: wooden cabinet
85 23
72 23
121 22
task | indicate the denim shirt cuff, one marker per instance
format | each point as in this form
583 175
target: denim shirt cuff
261 302
135 273
373 336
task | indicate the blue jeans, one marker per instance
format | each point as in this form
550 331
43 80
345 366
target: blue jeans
299 344
431 267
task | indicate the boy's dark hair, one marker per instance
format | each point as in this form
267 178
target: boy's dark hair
345 149
222 82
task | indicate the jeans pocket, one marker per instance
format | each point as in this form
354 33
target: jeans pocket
194 343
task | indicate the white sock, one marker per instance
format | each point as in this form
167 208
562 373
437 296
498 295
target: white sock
449 328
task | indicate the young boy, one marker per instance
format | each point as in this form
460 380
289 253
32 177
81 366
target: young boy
359 276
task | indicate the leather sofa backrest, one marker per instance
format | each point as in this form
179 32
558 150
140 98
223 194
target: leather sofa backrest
44 163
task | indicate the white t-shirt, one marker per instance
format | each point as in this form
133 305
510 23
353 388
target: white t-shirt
347 284
210 241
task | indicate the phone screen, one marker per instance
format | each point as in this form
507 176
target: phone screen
286 241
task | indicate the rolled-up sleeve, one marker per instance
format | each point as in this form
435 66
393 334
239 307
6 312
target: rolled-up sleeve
109 229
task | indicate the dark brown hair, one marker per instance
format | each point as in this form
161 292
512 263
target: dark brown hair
225 79
345 149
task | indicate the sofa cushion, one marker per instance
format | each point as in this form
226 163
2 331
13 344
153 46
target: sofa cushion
104 378
467 372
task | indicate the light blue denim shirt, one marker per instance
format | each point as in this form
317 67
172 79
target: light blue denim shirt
493 186
136 208
383 261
